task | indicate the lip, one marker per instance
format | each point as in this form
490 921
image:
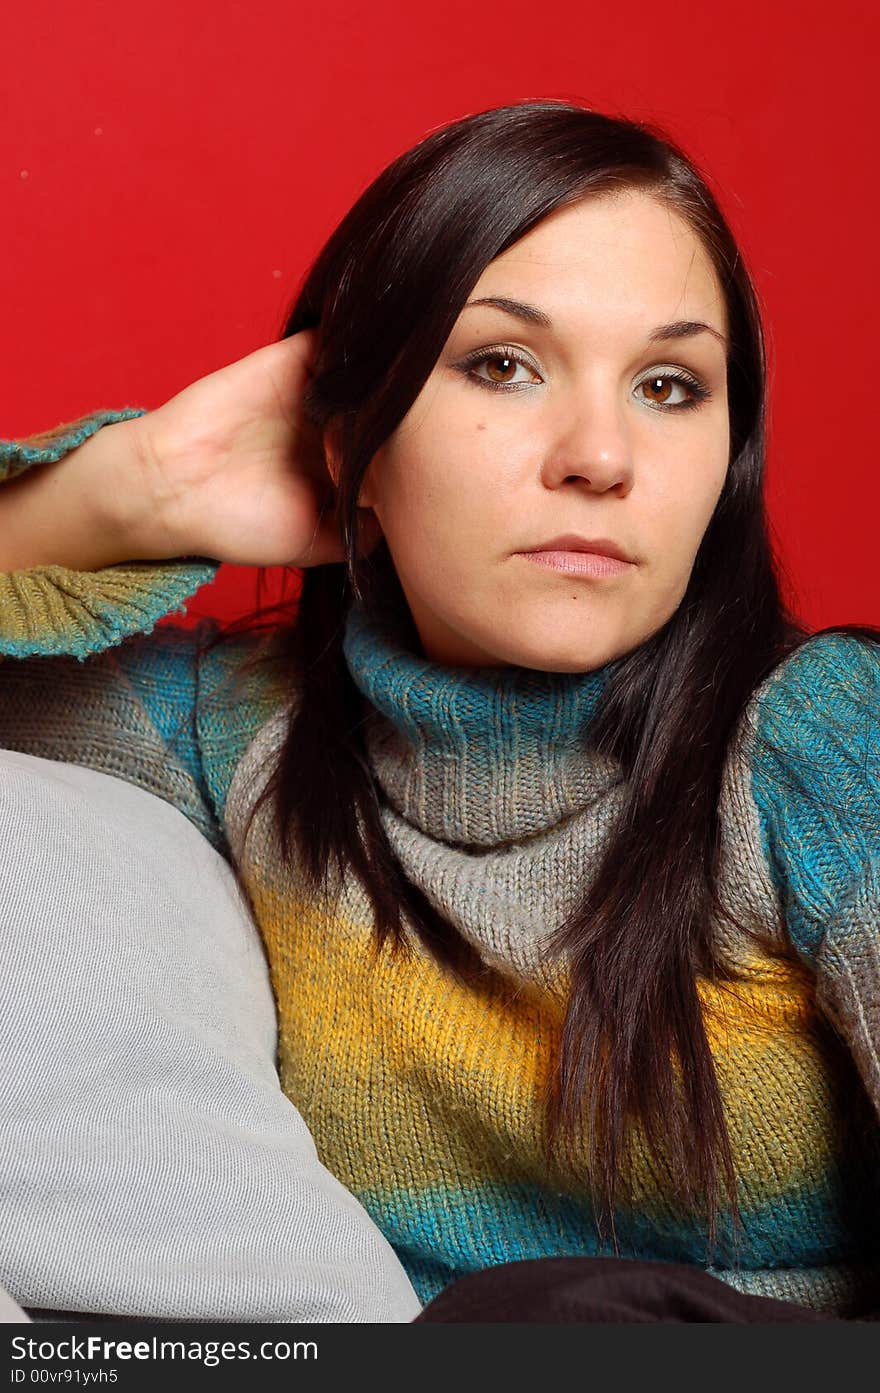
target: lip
571 541
578 563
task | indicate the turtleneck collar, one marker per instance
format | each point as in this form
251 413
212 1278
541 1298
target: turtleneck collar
476 756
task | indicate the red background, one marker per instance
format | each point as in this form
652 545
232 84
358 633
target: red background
169 171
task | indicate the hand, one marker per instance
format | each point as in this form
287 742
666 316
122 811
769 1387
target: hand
231 469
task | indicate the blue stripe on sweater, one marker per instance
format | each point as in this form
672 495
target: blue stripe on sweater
816 780
440 1235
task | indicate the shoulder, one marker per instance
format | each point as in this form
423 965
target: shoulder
816 720
823 683
815 771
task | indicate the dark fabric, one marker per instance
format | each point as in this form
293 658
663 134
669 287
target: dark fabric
605 1289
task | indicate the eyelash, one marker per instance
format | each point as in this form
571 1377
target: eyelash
699 392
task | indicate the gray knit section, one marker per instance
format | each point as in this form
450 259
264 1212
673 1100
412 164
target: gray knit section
460 795
507 898
848 967
95 714
745 886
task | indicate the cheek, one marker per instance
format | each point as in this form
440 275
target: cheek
709 496
440 495
686 492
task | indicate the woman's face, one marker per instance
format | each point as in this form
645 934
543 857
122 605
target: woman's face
589 432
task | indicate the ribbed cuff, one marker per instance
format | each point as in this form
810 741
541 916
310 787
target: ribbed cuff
49 445
51 610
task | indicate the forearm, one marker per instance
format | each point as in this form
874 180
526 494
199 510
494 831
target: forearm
83 511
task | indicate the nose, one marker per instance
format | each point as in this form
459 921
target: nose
591 442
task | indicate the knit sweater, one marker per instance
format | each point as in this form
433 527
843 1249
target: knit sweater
424 1098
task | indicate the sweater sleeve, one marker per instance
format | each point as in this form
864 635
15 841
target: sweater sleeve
85 677
51 609
816 783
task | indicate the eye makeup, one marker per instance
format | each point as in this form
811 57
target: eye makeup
697 389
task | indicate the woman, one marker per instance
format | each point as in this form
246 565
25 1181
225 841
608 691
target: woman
565 865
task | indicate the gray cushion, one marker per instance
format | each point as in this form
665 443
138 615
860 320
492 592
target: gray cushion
149 1163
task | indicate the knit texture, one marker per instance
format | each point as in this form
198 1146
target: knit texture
425 1099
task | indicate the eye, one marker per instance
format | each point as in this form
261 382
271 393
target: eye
505 360
660 384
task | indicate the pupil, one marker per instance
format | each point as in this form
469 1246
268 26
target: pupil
500 358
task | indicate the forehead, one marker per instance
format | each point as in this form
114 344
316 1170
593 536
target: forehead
626 257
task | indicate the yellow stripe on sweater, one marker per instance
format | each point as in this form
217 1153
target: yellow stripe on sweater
406 1078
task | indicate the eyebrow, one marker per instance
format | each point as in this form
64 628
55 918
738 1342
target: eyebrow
678 329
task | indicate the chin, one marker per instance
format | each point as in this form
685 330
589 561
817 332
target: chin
560 660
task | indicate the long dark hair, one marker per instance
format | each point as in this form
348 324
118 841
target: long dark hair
384 295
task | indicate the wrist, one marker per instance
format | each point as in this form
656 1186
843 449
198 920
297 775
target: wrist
120 483
62 513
